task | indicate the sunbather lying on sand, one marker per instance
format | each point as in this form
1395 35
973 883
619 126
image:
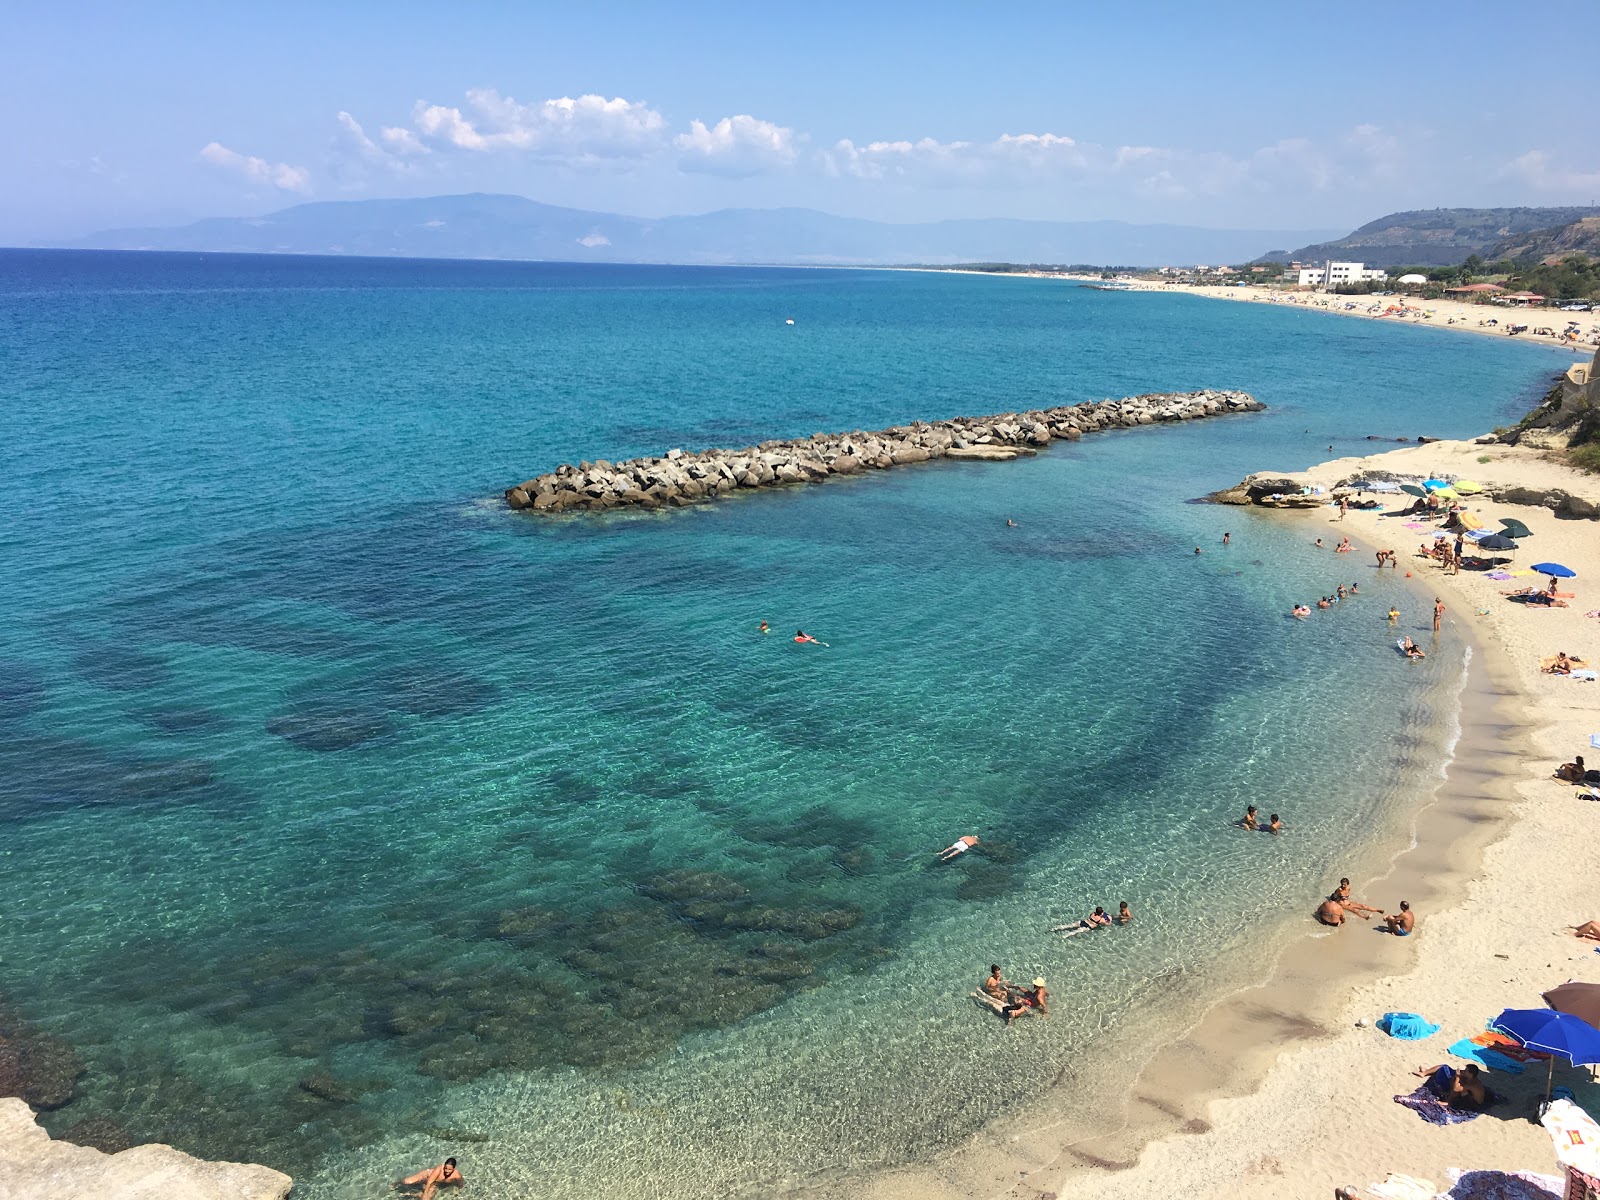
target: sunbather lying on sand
1535 597
1589 929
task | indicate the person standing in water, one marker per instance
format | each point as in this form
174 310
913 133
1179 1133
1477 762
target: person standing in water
1438 613
1227 539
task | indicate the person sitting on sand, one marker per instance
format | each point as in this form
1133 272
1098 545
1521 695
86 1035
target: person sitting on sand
1124 913
1248 821
1461 1089
1331 912
960 846
1571 772
1341 896
1403 922
1410 649
1031 1001
996 985
432 1179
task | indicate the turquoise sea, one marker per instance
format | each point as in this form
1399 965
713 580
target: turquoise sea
350 820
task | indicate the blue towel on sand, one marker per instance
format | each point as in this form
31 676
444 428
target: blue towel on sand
1487 1057
1408 1027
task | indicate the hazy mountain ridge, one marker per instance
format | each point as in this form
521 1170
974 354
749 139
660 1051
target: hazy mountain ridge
512 227
1579 237
1439 237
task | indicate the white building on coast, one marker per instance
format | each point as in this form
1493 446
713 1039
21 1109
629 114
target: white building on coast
1339 274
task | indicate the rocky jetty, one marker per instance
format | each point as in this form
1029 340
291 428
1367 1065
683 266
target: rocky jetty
33 1165
678 478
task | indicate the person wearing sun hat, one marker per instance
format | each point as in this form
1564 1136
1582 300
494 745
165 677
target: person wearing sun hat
1029 1000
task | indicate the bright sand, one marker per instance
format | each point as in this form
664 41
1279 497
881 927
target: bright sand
1277 1092
1443 314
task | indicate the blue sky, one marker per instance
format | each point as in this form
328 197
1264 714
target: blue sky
1243 115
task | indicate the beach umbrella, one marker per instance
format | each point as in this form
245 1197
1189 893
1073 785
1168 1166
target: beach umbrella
1467 488
1555 569
1435 485
1558 1034
1497 541
1412 489
1512 527
1581 1000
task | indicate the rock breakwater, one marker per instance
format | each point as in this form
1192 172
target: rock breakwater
678 478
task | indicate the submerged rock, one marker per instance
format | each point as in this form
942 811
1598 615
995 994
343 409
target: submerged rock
326 727
35 1066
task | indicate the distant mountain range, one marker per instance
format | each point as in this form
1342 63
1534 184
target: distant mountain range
1439 237
512 227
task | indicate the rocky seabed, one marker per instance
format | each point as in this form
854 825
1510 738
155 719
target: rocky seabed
678 478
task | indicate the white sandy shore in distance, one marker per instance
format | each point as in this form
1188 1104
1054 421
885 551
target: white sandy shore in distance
1440 314
1505 857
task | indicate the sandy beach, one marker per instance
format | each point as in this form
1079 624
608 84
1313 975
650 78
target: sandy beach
1286 1090
1440 314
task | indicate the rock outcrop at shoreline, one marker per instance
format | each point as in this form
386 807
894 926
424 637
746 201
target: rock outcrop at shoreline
1274 489
33 1165
678 479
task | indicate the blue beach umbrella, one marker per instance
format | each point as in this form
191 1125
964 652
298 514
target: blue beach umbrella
1435 485
1558 1034
1555 569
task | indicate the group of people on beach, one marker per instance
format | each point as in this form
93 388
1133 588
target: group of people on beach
1341 903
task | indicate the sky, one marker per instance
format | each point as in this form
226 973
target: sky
1258 114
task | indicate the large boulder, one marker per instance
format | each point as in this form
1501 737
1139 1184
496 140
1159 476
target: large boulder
33 1165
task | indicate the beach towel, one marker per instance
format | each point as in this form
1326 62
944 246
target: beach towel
1486 1057
1509 1047
1586 676
1408 1027
1594 740
1498 575
1504 1185
1403 1187
1432 1109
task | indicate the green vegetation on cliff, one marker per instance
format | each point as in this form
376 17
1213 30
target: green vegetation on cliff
1438 237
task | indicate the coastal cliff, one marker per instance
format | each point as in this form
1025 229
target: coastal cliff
678 479
33 1165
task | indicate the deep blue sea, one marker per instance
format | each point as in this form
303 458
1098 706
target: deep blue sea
350 820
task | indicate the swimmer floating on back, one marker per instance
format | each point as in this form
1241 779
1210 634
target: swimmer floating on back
804 638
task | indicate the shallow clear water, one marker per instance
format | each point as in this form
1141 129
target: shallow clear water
317 762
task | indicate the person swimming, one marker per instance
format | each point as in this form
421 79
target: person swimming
1124 913
1249 820
804 638
960 846
1275 825
765 628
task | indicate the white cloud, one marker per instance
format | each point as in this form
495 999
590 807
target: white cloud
258 170
736 147
1537 169
588 128
594 239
